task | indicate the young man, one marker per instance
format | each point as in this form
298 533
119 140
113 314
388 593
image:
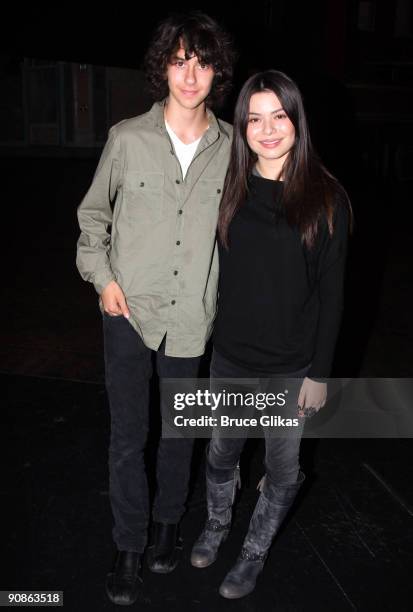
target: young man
148 245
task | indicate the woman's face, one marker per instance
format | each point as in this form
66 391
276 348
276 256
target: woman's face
270 133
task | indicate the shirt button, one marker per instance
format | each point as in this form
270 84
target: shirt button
180 212
173 302
178 242
177 182
141 184
218 191
175 272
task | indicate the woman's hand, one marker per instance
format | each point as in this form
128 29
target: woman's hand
312 397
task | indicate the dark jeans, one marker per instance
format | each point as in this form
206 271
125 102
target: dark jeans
282 453
128 371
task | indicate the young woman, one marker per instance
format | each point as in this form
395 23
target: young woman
283 226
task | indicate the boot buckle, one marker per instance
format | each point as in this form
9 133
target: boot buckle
214 525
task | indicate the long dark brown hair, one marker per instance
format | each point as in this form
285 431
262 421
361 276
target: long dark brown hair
310 192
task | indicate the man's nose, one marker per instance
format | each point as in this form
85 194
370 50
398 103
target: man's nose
190 74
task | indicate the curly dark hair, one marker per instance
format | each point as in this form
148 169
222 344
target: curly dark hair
201 36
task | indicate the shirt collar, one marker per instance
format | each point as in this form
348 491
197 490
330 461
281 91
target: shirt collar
212 133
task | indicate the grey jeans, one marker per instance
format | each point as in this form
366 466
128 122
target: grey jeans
281 453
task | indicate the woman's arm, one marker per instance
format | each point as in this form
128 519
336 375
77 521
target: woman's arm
330 277
331 268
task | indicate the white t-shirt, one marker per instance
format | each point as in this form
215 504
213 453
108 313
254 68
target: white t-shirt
184 152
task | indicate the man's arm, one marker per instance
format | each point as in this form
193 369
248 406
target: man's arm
95 217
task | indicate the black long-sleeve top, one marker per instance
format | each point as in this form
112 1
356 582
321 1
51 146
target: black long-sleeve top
280 303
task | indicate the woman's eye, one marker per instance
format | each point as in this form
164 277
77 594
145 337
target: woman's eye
281 116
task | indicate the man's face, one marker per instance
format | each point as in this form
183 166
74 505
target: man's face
189 81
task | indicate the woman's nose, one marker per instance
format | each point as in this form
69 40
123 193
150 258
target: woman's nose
269 126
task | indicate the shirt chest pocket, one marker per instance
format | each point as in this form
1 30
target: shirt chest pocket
210 192
144 195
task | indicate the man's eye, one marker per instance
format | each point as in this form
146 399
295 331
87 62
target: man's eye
204 66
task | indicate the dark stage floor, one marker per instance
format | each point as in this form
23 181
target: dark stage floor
347 544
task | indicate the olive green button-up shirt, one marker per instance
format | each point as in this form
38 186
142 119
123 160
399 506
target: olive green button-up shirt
154 233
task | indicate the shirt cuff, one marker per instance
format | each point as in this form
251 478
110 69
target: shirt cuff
102 279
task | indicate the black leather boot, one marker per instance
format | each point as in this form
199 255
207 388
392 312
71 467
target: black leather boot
166 547
269 513
124 583
220 497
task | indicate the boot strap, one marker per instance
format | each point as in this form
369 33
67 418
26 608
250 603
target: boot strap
215 525
247 555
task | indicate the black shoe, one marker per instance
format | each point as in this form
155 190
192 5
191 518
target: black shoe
124 583
166 547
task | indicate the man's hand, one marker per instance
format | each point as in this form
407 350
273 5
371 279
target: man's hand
114 301
312 397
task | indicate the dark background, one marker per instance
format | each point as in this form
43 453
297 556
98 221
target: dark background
348 543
